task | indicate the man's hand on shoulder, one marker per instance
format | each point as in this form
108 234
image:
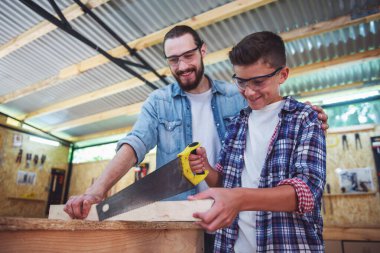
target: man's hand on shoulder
322 116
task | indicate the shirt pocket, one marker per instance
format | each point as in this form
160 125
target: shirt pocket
170 137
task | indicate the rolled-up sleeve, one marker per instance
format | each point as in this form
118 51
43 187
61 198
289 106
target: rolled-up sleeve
308 175
305 199
143 136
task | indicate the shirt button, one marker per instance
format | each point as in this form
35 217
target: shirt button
217 124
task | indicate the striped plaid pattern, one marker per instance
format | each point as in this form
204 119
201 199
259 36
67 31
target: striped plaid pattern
304 195
296 156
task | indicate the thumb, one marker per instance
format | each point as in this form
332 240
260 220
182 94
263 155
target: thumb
86 208
200 151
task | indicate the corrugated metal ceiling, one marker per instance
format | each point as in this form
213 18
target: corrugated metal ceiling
48 55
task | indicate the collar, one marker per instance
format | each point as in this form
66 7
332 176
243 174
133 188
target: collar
289 106
216 87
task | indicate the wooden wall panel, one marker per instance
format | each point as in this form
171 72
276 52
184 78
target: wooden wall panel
84 174
361 210
26 200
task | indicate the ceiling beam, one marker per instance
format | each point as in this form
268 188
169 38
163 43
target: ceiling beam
103 134
199 21
126 110
328 26
211 58
369 55
44 27
88 97
362 56
331 89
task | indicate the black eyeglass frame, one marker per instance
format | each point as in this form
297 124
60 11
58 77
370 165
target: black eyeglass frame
188 51
234 77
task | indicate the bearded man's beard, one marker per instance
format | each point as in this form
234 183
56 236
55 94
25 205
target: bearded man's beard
190 85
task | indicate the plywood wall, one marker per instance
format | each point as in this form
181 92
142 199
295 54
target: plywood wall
351 210
26 200
84 174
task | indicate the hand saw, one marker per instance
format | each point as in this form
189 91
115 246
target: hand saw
169 180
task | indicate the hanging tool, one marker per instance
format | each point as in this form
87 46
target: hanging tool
330 201
344 142
28 159
35 160
169 180
43 159
358 141
19 156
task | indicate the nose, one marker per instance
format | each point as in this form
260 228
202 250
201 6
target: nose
249 91
182 64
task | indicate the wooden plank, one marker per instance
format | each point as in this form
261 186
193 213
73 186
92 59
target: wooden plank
88 97
126 110
131 241
362 56
356 234
50 82
98 135
34 224
327 26
158 211
332 89
352 129
43 235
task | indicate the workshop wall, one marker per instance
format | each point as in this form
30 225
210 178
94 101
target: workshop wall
84 174
351 151
24 185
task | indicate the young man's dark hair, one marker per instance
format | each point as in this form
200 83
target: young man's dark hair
180 30
265 45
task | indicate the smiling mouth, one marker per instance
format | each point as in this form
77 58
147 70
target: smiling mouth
255 99
185 73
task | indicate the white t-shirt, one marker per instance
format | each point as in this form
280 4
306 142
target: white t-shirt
261 126
204 129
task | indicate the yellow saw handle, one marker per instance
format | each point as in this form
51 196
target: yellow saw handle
184 157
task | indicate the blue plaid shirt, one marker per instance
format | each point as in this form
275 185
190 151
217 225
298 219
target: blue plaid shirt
297 152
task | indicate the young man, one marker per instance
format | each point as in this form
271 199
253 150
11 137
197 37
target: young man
272 164
191 109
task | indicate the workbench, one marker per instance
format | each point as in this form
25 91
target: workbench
43 235
351 240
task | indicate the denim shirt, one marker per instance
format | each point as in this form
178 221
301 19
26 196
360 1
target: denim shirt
165 121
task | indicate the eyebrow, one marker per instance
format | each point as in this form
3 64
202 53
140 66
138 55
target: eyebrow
176 56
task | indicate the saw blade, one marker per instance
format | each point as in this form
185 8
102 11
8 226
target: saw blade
164 182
